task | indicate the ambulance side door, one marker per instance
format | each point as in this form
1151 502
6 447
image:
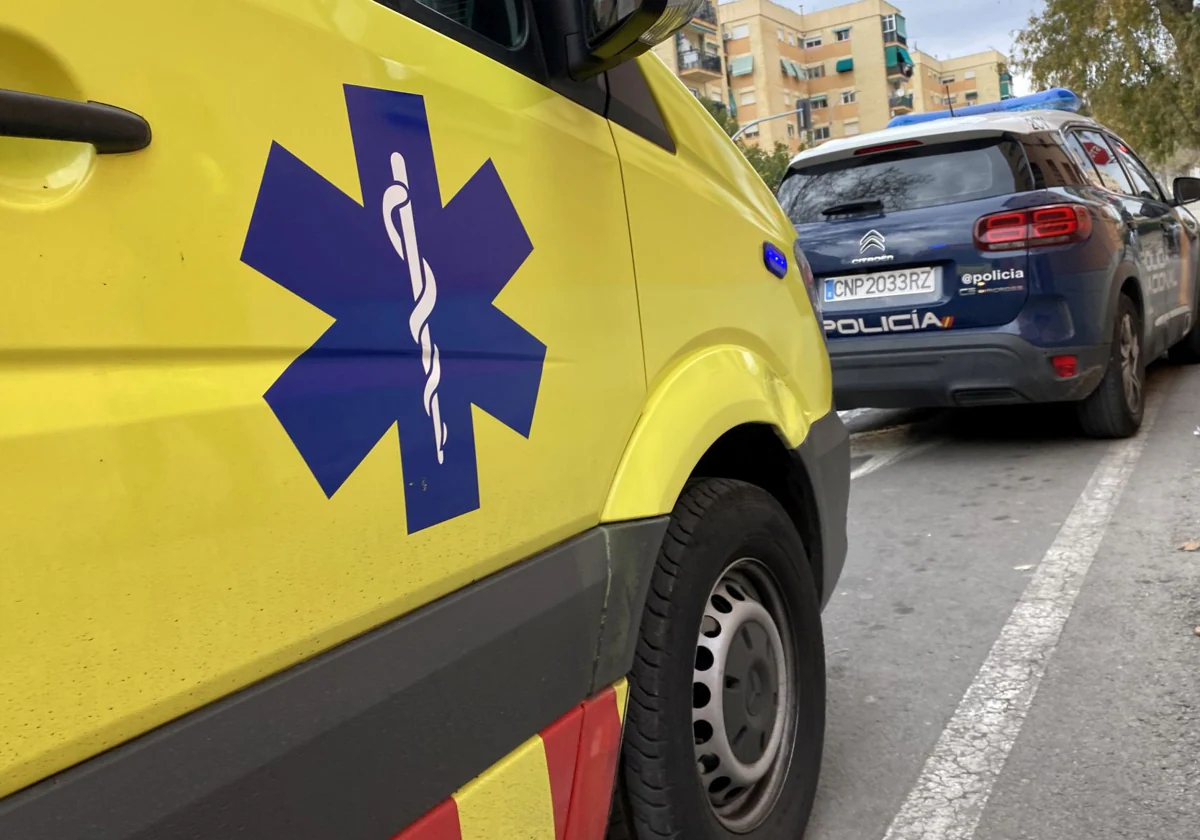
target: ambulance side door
355 331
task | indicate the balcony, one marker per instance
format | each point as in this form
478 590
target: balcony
697 65
899 63
707 14
900 104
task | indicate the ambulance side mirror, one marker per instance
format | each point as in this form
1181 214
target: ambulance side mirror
615 31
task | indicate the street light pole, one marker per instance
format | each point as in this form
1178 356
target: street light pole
753 123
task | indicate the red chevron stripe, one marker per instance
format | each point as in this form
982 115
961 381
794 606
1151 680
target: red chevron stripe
595 768
561 740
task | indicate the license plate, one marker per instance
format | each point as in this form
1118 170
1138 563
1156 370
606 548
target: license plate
882 284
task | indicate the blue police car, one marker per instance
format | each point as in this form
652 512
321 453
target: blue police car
1014 252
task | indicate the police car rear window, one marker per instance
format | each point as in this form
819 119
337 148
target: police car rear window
928 176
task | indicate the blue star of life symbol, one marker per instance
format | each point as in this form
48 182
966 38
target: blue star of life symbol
409 282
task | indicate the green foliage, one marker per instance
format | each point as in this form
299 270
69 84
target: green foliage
770 165
721 114
1136 63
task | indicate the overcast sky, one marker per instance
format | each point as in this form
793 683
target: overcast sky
955 27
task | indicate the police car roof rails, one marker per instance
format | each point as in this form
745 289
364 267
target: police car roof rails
1055 99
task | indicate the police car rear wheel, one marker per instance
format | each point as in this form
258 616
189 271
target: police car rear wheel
726 717
1114 409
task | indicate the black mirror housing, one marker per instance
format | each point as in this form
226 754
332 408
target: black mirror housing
651 22
1186 190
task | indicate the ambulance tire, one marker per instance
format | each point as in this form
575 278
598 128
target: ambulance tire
733 538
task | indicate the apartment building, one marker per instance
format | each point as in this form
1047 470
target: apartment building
834 64
958 82
696 54
849 68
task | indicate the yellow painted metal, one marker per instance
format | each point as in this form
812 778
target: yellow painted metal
511 800
709 392
621 687
163 542
725 341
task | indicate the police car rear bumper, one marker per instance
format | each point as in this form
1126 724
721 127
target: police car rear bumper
928 371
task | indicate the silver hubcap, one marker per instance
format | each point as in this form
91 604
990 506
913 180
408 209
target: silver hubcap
1131 377
743 708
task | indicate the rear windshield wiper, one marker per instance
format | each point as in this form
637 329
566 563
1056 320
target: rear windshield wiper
853 207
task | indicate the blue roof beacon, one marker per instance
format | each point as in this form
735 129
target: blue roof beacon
1055 99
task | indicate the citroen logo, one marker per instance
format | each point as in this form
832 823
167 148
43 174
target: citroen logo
872 239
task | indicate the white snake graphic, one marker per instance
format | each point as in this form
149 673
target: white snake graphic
424 289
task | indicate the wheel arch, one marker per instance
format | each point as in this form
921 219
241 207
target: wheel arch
755 453
725 413
703 396
1131 288
1126 281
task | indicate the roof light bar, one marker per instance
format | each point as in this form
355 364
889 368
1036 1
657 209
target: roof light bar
1056 99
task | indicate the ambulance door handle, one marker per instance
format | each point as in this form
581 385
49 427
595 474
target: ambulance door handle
110 129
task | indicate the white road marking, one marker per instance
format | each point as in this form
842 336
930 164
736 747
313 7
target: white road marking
949 797
885 459
886 446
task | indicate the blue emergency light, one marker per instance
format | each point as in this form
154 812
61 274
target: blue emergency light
1056 99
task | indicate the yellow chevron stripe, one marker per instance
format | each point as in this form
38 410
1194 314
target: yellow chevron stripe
621 687
511 799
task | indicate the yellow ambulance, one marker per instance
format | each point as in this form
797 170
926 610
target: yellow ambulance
415 424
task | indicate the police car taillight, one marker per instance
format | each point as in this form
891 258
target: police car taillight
1059 224
806 273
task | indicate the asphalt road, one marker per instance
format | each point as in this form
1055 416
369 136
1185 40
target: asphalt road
1012 650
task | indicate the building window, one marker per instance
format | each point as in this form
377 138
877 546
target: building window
810 43
747 97
946 80
889 23
752 131
849 97
779 34
816 71
841 34
695 92
742 30
791 130
791 39
973 96
970 74
818 102
711 48
851 129
821 133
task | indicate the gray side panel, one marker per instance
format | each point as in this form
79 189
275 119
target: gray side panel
825 454
358 742
632 550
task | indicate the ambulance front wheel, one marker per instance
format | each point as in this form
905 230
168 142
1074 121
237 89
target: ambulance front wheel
726 716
